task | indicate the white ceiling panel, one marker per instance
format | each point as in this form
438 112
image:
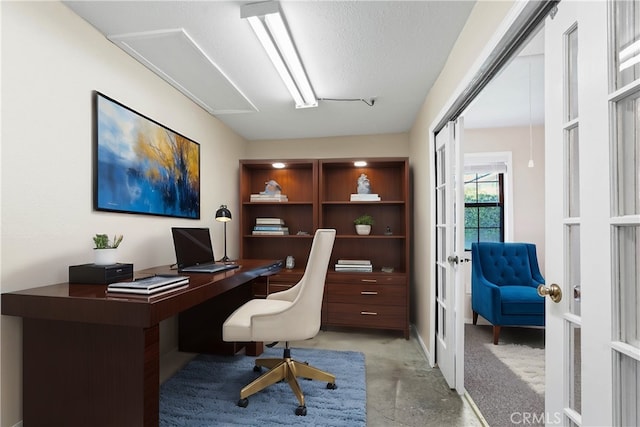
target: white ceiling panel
175 57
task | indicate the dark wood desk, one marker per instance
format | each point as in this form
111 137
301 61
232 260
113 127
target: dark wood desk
92 359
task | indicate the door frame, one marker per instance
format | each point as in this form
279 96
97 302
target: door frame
520 24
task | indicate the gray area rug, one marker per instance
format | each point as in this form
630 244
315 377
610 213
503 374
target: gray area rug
507 392
205 392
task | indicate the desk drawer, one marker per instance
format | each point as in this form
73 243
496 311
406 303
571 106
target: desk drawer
369 316
366 294
368 278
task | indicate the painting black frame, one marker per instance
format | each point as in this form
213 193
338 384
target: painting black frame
141 166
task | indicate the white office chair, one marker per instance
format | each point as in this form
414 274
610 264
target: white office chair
290 315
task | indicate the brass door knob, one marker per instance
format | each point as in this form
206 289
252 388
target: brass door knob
554 292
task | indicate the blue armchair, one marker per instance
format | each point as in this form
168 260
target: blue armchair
504 281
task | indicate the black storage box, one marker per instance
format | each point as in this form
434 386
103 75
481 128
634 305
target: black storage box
100 274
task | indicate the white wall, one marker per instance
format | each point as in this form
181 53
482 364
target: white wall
390 145
528 185
481 25
52 60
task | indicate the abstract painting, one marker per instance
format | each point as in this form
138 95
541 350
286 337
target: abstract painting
141 166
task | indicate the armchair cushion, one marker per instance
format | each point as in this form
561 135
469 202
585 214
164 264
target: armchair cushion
521 300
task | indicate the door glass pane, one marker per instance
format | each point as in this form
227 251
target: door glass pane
574 268
441 246
627 42
628 285
440 198
440 167
628 155
443 326
628 393
574 371
572 74
573 172
443 287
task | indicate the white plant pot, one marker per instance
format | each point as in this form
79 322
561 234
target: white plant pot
106 256
363 230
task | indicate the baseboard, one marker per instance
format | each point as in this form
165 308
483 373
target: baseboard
172 361
424 348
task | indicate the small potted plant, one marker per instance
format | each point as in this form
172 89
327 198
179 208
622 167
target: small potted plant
363 224
105 250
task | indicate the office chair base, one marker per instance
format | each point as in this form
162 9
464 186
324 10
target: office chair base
285 369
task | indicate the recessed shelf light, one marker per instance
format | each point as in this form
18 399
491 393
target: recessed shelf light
278 165
359 163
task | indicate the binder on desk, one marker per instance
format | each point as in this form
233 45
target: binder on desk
149 285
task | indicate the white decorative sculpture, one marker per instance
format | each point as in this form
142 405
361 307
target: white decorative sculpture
364 186
272 187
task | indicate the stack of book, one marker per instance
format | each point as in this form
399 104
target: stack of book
150 285
268 197
270 227
354 265
365 198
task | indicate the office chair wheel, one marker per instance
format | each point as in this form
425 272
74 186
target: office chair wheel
301 410
243 402
257 369
332 386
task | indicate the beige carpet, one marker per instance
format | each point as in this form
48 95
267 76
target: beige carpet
524 361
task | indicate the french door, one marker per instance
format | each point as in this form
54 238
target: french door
592 151
449 232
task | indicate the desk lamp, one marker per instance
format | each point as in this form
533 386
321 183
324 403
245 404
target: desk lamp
224 215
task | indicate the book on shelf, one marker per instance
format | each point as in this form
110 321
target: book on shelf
365 198
355 268
149 285
266 227
355 261
268 198
269 221
283 232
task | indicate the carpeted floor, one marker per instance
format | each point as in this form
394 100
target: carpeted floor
206 390
502 395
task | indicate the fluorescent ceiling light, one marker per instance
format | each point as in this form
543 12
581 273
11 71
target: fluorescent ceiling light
268 24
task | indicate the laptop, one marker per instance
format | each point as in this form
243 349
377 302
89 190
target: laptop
194 253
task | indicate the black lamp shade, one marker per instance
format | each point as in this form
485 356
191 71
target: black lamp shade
223 214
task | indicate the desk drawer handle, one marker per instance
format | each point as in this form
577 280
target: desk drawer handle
369 313
368 293
369 280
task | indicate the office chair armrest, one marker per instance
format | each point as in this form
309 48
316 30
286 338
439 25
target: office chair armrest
286 295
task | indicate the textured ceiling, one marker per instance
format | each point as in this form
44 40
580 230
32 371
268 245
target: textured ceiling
390 51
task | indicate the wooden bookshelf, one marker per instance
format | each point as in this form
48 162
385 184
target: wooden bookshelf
378 299
318 194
